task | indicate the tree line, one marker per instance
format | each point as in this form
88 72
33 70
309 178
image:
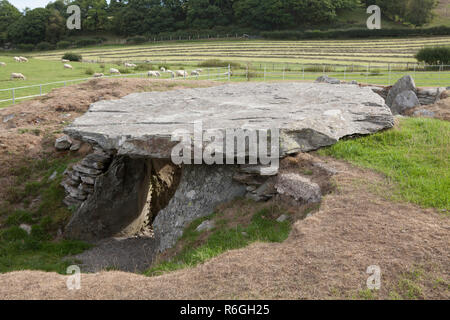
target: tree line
127 18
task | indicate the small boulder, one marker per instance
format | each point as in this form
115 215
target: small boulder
206 226
298 187
63 143
424 113
25 227
282 218
404 101
326 79
406 83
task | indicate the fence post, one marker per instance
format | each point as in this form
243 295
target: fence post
345 72
303 68
246 73
284 69
264 73
229 72
389 67
367 74
14 95
323 69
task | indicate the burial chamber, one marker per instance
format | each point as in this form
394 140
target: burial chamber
131 185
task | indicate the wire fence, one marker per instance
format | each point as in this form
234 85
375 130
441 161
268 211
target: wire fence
16 94
381 75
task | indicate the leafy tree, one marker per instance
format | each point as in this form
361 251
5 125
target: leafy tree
30 28
8 15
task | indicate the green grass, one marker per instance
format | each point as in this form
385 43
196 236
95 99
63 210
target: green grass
414 156
37 250
261 228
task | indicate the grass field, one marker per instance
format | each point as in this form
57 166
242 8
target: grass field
379 61
414 156
344 52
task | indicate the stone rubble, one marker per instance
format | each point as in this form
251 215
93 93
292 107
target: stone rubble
80 180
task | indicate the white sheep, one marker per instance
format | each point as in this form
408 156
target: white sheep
195 73
2 64
23 59
98 75
181 73
17 76
114 71
199 70
68 66
65 60
130 65
17 59
163 69
154 74
172 74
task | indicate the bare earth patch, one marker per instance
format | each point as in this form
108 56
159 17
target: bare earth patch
326 256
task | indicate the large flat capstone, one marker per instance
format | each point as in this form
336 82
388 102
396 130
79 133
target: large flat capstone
309 116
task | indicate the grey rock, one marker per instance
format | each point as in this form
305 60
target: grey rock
326 79
212 185
282 218
206 226
309 116
404 101
448 88
328 169
404 84
83 169
119 197
88 179
260 170
424 113
76 145
8 117
63 143
25 227
298 187
72 202
53 176
96 161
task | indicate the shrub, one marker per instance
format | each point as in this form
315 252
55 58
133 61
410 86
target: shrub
44 46
211 63
144 67
434 55
25 47
72 56
87 42
63 44
89 71
136 40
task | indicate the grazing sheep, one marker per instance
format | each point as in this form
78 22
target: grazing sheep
195 73
17 59
68 66
98 75
154 74
199 70
17 76
172 74
64 60
181 73
2 64
130 65
163 69
114 71
23 59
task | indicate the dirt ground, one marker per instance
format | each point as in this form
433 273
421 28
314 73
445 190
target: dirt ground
325 257
440 110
